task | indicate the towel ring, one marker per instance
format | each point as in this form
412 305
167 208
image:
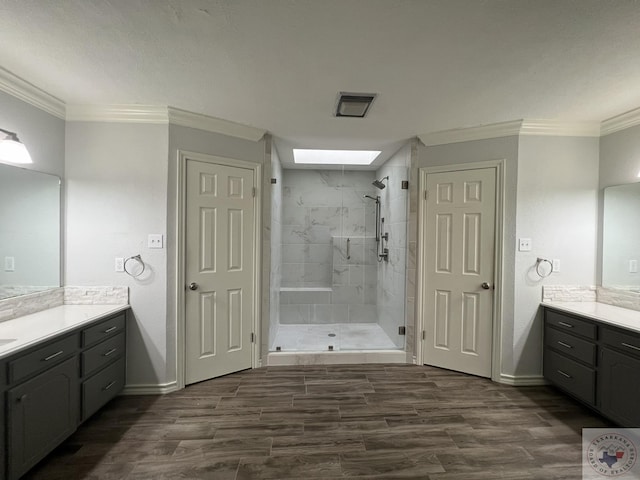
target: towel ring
138 259
539 262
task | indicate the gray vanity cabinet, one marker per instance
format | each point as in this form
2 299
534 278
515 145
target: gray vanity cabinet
51 388
620 376
42 412
3 420
594 362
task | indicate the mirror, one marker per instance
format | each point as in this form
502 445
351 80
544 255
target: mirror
29 231
621 237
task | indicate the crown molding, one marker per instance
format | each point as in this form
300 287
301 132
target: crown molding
620 122
481 132
29 93
118 114
560 128
214 125
516 127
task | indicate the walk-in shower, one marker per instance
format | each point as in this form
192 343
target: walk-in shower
334 291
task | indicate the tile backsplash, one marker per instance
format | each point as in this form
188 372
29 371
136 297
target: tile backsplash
15 307
618 297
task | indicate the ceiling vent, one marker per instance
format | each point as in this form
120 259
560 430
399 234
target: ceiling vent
354 105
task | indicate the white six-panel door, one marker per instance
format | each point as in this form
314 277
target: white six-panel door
459 264
219 269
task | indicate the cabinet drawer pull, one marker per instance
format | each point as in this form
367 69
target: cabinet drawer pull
631 346
111 384
564 374
564 324
53 355
111 329
113 350
22 398
566 345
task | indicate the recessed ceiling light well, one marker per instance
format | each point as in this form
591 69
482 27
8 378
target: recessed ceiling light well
355 105
334 157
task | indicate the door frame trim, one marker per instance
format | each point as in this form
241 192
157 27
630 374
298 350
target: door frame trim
183 157
421 274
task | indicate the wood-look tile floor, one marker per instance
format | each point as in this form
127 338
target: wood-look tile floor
337 421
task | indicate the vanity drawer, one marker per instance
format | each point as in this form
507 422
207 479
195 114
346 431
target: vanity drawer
571 376
102 387
103 330
570 324
42 358
570 345
96 357
627 342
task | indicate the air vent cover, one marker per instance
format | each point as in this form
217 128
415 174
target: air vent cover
354 105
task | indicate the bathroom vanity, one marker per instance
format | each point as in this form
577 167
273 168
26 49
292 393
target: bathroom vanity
57 368
592 352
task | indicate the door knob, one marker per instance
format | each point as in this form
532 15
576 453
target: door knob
485 285
193 286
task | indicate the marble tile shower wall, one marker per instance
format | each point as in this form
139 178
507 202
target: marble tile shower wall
276 245
391 290
321 209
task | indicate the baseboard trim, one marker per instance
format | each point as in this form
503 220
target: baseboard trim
150 389
522 380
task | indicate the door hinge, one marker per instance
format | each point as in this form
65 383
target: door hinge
425 194
402 330
253 191
253 337
423 335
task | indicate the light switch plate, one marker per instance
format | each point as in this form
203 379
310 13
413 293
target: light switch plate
633 266
524 245
9 264
155 240
119 264
556 265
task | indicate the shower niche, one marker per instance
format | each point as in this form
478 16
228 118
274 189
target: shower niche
342 254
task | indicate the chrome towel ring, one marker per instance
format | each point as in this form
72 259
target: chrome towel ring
542 273
137 259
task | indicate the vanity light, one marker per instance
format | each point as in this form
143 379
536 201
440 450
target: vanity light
12 150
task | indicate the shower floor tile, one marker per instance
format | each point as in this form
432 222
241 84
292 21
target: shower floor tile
343 336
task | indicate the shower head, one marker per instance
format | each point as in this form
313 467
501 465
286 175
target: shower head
379 184
377 199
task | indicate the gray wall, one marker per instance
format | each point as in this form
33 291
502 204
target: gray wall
116 183
557 209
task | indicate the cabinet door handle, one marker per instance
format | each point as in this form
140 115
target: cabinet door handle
631 346
109 330
566 345
113 350
22 398
53 355
111 384
564 324
564 374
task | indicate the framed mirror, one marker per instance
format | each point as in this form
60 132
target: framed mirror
29 231
621 237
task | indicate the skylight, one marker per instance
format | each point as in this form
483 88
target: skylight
334 157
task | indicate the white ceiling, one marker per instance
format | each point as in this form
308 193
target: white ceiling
279 64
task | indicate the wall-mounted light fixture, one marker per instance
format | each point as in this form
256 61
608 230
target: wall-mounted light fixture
12 150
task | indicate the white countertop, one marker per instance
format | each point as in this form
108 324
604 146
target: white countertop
617 316
37 327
